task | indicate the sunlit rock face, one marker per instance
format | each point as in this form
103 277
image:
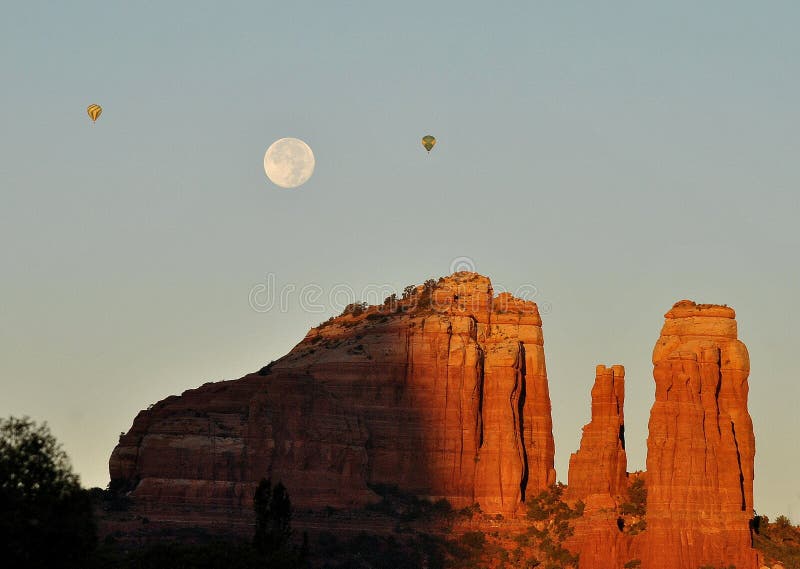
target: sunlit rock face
598 477
443 393
701 447
598 471
700 454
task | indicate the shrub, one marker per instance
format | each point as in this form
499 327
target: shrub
469 511
548 505
474 540
266 369
779 540
637 527
356 309
406 506
442 507
637 499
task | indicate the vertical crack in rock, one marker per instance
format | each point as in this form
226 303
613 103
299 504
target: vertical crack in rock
446 414
462 426
716 398
739 463
522 381
479 391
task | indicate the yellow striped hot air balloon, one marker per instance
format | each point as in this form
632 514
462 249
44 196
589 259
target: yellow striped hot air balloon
94 111
428 141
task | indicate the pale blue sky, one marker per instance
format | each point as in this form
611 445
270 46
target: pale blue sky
620 156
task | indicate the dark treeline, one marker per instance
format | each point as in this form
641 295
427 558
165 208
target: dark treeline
47 519
272 545
47 522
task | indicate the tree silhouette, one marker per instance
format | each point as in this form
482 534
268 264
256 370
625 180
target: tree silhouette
273 518
46 517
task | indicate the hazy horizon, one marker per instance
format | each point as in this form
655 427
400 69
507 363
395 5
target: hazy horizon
618 158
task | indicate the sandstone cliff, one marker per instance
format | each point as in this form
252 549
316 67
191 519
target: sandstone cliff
700 449
598 477
443 393
597 472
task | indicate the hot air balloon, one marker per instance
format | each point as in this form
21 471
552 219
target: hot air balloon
94 111
428 141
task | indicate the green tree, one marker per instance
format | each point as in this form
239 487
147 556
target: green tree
637 496
273 518
46 517
548 506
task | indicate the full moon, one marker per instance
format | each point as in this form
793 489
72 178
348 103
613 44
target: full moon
289 162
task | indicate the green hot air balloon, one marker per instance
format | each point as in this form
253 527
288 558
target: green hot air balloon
428 142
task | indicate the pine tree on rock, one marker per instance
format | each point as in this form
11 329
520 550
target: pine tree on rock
273 511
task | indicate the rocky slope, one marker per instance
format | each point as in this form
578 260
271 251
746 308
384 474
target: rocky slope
442 393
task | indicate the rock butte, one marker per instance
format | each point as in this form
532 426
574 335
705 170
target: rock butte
598 476
700 453
444 394
446 401
701 448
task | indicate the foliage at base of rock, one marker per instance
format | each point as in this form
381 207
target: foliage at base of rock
778 541
633 512
551 517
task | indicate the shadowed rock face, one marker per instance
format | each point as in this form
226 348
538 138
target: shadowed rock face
701 446
443 394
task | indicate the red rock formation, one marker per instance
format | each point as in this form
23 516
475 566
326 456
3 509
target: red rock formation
443 395
598 477
701 447
597 472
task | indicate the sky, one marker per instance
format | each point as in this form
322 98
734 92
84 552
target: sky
609 159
